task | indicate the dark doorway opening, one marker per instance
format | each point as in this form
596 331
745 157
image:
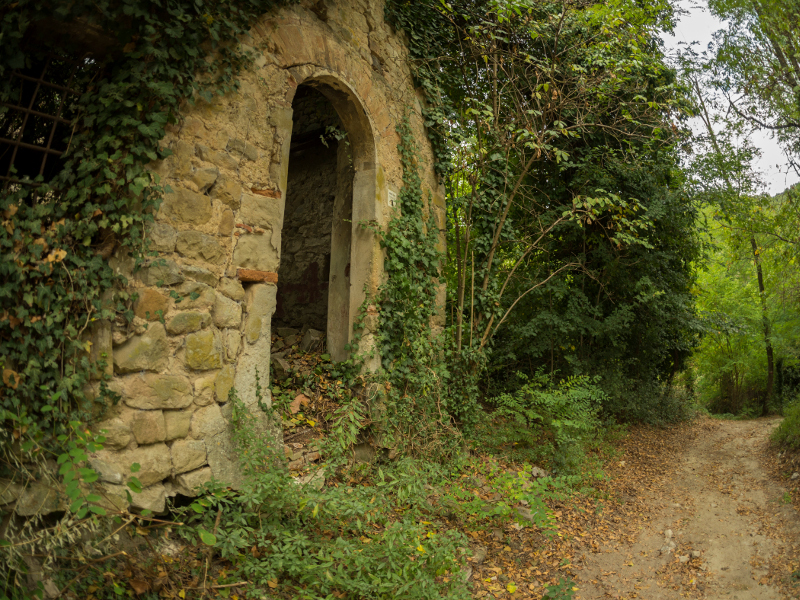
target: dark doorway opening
314 275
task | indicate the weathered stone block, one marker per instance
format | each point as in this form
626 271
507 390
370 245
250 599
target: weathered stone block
252 329
226 312
117 433
204 177
150 305
188 483
204 390
207 422
286 332
221 159
9 491
162 237
177 423
112 497
260 301
312 340
315 480
226 223
179 164
195 296
188 455
261 211
202 275
188 322
223 458
233 341
254 358
256 252
227 191
39 498
161 272
280 368
253 276
154 461
152 498
148 427
186 206
154 392
246 149
224 383
101 336
148 352
203 351
232 288
194 244
106 471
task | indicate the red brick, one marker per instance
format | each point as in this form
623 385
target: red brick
253 276
267 193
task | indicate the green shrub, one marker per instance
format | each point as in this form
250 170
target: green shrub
375 541
567 412
646 401
788 432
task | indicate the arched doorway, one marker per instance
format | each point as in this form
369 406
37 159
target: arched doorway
330 190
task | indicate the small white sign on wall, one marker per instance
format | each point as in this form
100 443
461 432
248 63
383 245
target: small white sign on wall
392 199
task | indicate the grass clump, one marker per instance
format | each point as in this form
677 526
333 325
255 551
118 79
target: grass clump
787 433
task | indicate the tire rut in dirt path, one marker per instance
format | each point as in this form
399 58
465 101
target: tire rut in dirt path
715 526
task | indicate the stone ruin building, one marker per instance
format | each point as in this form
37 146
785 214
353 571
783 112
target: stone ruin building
262 229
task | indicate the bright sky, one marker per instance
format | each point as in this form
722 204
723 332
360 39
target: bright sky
698 26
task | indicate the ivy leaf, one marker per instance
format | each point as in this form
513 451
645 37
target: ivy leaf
209 539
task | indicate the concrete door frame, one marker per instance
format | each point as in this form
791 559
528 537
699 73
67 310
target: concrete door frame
365 258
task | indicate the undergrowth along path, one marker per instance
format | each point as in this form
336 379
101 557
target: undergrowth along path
706 518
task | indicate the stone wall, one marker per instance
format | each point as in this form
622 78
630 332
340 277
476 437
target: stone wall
204 309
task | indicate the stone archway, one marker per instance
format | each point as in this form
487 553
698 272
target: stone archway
327 256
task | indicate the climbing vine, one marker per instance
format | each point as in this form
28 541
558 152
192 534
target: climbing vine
415 356
56 282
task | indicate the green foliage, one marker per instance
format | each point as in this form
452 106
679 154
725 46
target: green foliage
731 362
650 401
337 540
422 394
564 590
570 240
750 318
788 432
65 478
408 300
57 234
568 413
754 65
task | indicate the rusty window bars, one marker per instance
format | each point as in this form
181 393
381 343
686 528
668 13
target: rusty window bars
28 129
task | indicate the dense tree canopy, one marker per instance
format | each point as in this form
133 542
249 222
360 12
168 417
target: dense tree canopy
570 235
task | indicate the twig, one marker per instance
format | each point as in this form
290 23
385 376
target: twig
208 552
83 560
294 435
118 529
219 587
73 580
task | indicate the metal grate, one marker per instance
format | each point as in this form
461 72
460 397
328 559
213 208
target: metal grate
36 122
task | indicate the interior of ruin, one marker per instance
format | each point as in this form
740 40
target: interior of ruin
314 276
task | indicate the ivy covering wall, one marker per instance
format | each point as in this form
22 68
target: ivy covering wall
137 65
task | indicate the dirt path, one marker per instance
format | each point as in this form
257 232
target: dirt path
715 525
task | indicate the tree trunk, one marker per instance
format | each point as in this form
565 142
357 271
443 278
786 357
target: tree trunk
765 320
756 258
